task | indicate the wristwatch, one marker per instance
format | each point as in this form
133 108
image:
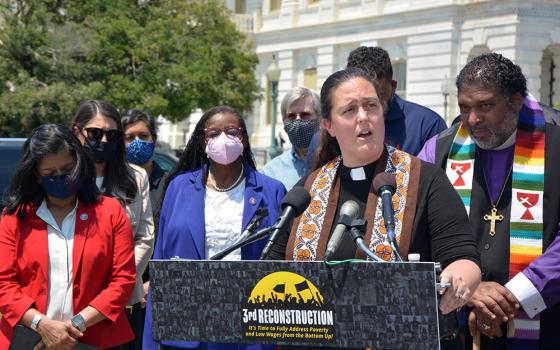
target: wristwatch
35 322
79 323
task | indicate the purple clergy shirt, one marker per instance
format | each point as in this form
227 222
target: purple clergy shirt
543 272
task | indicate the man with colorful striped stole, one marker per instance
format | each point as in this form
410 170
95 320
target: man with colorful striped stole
504 161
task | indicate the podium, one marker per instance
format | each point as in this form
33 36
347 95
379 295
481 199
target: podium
350 305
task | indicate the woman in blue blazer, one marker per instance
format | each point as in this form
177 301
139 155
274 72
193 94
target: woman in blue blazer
215 187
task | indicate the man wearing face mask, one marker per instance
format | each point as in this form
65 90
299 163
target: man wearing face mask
300 110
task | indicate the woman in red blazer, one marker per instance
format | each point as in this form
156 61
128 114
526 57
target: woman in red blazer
67 264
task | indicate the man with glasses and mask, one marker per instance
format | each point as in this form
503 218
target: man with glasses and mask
300 110
407 125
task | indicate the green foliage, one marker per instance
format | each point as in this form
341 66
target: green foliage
168 57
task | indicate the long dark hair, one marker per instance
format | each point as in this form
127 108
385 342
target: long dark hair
194 155
118 177
328 147
48 139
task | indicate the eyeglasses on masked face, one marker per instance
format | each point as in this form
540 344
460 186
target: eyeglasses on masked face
211 133
96 134
301 115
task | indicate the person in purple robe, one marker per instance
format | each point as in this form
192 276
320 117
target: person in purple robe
503 159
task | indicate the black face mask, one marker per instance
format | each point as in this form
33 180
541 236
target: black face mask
300 131
100 152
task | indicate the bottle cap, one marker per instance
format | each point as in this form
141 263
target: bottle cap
413 257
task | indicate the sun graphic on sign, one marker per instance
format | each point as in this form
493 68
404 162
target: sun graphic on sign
285 286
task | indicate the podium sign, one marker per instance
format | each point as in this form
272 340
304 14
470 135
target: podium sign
351 305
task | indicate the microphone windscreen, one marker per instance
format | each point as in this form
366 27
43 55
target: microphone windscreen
298 198
384 179
350 208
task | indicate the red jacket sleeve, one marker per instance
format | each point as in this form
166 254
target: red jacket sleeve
114 297
13 302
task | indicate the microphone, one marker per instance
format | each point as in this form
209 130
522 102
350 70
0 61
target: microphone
293 205
348 212
252 226
385 185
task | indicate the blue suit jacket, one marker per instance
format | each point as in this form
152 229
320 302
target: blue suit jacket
182 233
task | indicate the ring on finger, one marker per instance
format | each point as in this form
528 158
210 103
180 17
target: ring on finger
485 326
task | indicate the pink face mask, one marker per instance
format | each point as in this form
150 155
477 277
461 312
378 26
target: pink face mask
224 149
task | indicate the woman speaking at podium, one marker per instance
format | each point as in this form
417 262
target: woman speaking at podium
210 197
429 216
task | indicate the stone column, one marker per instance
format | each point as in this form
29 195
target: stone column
289 13
369 43
328 10
288 71
288 79
325 64
555 49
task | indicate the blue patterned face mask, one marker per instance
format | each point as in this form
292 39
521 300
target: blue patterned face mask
139 152
58 186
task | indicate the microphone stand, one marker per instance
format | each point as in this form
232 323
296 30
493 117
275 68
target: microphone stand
261 213
252 238
356 231
393 242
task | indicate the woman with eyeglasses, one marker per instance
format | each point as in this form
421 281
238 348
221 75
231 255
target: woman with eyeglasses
66 252
97 124
209 199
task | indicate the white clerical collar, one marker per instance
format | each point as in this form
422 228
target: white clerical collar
508 143
358 174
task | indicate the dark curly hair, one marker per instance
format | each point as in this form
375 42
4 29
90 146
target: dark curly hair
373 60
328 147
495 72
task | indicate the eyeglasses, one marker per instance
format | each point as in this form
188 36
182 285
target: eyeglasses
302 115
96 134
231 131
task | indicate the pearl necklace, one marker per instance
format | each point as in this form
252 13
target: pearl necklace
241 174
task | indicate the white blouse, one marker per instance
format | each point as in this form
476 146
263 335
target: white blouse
61 243
223 212
139 213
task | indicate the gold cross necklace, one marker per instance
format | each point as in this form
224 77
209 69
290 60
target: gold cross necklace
493 216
